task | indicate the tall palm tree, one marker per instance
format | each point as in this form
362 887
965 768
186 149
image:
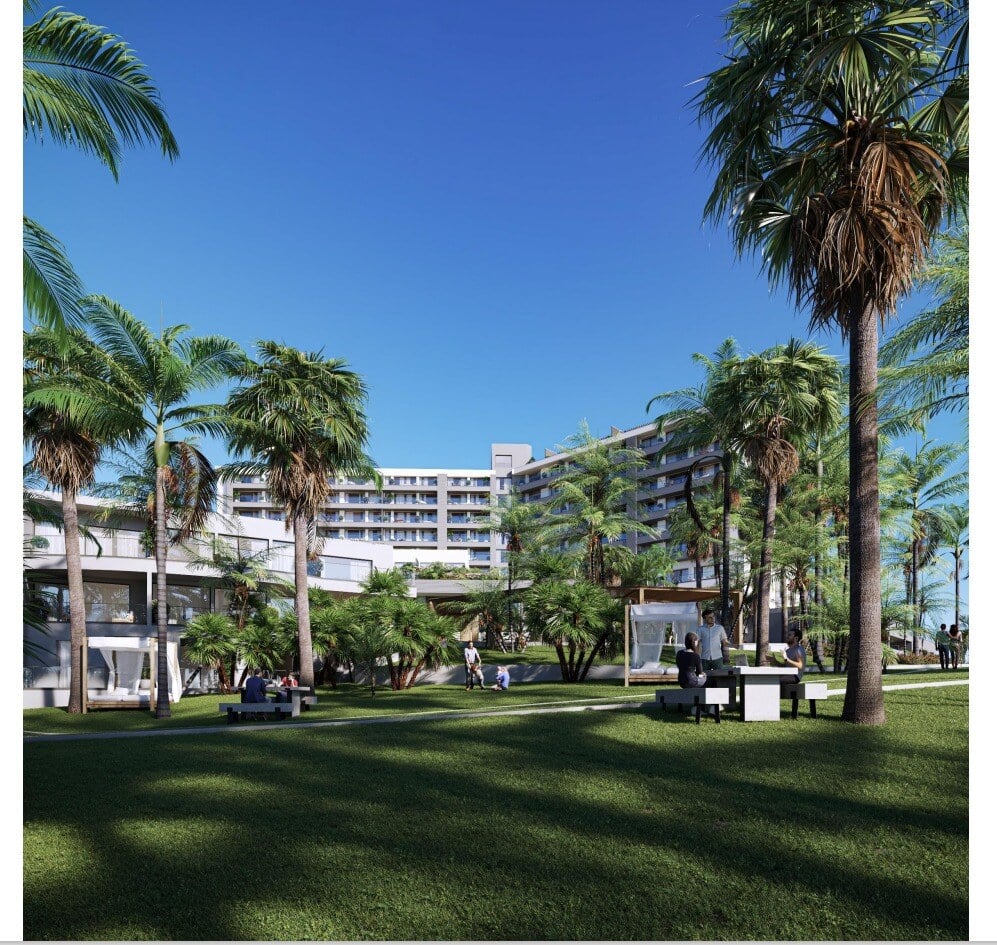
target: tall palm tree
696 419
84 88
303 415
926 483
593 499
782 395
66 385
954 522
837 131
515 520
161 374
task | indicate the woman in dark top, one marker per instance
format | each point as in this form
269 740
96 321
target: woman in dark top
955 645
691 675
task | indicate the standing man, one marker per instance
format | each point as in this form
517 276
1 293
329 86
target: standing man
472 665
942 645
713 646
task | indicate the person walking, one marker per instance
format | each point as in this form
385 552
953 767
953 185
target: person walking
713 644
942 645
955 645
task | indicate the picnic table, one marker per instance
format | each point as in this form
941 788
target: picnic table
758 689
301 697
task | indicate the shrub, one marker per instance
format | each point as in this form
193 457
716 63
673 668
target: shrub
916 659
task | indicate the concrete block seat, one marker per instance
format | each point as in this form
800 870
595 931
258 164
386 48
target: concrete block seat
810 691
280 710
697 698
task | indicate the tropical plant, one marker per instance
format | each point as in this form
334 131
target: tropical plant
84 88
66 382
925 483
700 420
210 640
159 375
782 395
576 617
490 603
953 521
593 499
297 418
515 521
264 642
924 365
390 583
651 567
837 131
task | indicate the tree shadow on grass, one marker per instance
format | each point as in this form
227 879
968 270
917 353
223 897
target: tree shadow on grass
589 825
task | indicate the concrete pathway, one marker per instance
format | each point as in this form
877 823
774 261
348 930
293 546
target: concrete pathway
536 708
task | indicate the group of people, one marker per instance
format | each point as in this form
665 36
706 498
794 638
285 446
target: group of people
475 674
256 686
948 642
708 648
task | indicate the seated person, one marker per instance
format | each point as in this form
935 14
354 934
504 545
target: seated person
690 666
501 680
289 680
256 688
796 657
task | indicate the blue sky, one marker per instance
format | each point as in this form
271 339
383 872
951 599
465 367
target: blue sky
492 211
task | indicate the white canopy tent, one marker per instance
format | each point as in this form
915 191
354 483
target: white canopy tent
125 658
651 627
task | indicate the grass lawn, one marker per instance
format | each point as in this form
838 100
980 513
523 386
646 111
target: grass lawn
591 825
353 701
541 653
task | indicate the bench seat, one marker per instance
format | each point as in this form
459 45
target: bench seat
277 709
696 698
810 691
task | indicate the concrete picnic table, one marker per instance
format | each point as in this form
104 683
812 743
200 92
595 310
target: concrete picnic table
758 689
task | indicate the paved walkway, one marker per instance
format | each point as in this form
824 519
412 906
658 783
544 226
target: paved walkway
537 708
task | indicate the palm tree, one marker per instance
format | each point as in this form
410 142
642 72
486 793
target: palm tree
83 88
925 364
593 499
698 419
160 375
66 384
515 520
954 522
782 395
209 640
838 131
926 484
303 415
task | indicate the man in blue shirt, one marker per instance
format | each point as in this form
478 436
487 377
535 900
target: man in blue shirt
256 688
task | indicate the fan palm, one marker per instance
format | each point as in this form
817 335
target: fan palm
303 415
782 395
160 374
84 88
66 385
954 525
838 131
209 640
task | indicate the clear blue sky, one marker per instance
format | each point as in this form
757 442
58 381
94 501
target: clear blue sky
492 211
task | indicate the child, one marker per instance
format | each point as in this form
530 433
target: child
476 676
501 680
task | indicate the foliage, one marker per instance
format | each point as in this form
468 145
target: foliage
210 640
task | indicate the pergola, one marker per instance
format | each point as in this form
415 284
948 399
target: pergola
671 595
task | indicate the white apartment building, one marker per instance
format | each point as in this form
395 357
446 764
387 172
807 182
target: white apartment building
119 578
425 515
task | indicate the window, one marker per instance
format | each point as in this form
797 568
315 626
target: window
679 575
183 603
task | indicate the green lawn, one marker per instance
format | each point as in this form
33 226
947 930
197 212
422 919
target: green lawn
350 701
592 825
542 653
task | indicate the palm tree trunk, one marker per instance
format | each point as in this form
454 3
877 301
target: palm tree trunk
725 570
958 568
914 599
765 578
559 649
307 663
162 636
77 604
864 689
783 602
698 571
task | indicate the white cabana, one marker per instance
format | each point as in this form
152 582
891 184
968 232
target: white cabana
651 627
126 659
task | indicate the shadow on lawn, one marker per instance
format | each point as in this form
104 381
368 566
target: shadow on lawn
586 826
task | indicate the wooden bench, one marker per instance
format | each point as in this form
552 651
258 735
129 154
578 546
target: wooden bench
278 709
811 691
696 698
